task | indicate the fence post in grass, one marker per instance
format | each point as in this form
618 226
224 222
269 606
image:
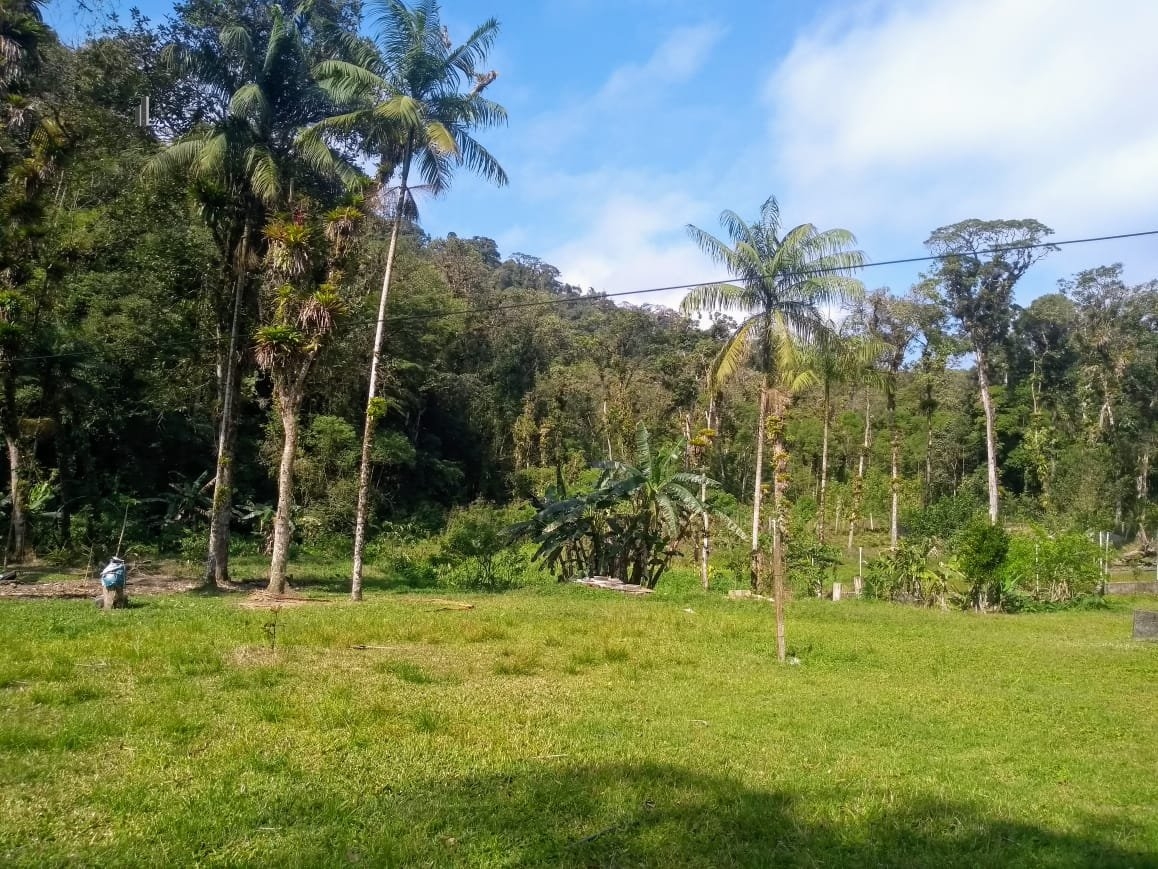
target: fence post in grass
836 591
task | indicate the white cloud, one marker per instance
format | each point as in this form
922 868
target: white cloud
632 235
898 121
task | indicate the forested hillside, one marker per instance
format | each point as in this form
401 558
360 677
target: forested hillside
185 284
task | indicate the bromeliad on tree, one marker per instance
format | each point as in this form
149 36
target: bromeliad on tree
303 300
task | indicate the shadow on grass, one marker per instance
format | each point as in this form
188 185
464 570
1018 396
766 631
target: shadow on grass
659 815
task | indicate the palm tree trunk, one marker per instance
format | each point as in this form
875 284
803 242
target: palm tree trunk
894 471
990 435
823 467
288 407
858 483
757 495
372 412
779 511
217 559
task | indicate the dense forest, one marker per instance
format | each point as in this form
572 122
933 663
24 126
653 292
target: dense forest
221 324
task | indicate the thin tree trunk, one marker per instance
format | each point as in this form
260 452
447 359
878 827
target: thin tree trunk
282 530
705 539
894 472
928 492
217 559
18 523
372 414
858 484
779 514
895 485
1143 482
820 516
990 436
757 495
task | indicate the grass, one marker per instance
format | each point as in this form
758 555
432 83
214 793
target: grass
565 726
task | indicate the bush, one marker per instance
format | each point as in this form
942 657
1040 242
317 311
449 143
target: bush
809 564
1042 571
476 551
980 550
904 575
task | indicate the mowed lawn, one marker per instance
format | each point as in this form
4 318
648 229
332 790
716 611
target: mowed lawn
571 727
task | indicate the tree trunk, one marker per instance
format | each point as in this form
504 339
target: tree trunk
779 513
18 487
220 512
928 492
1143 481
894 470
372 412
990 435
282 530
19 533
858 484
823 468
757 495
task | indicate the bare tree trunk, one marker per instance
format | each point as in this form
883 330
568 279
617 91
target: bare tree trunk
858 484
1143 482
895 485
894 472
372 411
757 495
820 519
990 435
282 529
779 513
217 559
928 492
18 487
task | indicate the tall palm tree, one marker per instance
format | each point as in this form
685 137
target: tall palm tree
243 165
785 282
412 115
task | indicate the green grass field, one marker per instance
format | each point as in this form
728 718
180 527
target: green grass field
565 726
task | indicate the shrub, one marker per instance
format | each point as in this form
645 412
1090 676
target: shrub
1046 571
905 575
979 550
809 563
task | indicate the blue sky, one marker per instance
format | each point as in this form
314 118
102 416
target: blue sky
631 118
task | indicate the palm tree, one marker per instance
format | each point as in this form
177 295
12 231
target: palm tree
242 166
411 116
785 283
22 32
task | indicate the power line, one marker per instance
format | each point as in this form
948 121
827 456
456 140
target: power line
623 293
596 297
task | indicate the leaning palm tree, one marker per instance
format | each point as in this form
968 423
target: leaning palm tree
784 283
244 164
412 116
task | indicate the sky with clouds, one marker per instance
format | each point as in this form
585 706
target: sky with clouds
630 119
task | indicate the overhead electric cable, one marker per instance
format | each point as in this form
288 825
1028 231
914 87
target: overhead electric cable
596 297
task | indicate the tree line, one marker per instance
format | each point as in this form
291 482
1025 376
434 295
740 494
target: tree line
219 314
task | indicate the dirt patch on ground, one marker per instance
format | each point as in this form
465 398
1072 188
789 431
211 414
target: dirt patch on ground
264 600
58 583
